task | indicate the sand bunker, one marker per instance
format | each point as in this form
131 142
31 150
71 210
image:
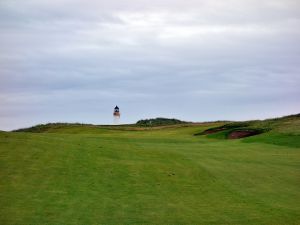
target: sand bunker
243 133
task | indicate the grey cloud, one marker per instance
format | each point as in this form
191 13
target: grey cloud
195 60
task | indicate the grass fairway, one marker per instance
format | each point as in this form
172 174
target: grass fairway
102 175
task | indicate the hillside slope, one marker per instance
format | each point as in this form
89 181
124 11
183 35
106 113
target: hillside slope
280 131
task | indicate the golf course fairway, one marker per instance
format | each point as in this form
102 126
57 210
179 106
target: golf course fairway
86 174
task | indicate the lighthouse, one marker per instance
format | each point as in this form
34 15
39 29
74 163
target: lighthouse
116 115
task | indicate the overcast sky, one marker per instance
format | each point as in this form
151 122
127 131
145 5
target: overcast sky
196 60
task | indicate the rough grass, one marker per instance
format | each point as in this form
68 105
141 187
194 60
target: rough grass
103 175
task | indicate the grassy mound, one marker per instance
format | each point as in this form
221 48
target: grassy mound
52 126
236 130
159 122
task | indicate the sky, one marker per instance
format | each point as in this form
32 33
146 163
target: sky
195 60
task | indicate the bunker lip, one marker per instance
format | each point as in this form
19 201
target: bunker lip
226 127
211 131
237 134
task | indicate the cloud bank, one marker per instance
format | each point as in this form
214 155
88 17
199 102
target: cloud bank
73 61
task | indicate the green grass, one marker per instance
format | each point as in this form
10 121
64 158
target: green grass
84 174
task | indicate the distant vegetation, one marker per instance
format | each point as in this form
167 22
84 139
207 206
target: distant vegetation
159 122
49 126
52 127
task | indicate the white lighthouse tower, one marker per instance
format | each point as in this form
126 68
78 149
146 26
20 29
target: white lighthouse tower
116 115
